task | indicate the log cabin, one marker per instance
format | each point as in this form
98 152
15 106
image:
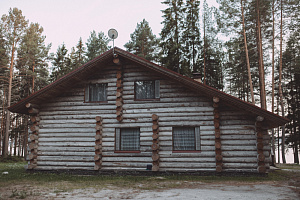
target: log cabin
120 112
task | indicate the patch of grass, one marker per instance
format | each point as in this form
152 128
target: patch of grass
11 159
18 194
66 182
288 166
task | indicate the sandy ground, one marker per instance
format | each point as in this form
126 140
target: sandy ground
197 191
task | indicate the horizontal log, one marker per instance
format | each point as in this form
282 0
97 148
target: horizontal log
155 126
259 118
66 139
32 156
216 99
30 105
261 157
261 169
155 146
98 127
34 128
97 157
155 157
219 168
219 157
97 167
66 158
218 145
154 117
67 164
98 147
32 166
33 111
33 137
155 168
34 118
155 136
98 119
33 146
98 137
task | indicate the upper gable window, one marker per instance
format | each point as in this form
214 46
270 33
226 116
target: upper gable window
96 92
147 89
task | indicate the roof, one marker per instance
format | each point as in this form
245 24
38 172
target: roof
83 72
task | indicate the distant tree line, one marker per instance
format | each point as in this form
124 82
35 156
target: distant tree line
233 47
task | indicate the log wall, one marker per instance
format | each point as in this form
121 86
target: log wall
67 128
239 141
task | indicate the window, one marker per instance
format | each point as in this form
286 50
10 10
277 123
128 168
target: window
186 139
96 92
127 139
147 89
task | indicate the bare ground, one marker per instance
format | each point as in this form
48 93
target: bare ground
163 190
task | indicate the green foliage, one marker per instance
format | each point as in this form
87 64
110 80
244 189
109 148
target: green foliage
60 63
291 73
143 43
96 45
171 40
32 60
191 35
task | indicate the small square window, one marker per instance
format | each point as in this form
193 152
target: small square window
147 89
127 139
96 92
186 139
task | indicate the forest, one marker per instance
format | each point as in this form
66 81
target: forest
248 49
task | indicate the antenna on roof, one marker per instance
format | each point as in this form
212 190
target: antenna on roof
113 34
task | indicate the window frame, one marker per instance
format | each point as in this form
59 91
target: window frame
118 140
196 145
156 91
87 92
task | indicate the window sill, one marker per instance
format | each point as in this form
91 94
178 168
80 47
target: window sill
187 151
96 102
146 99
127 151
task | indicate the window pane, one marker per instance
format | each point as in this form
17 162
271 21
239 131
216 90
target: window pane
183 138
130 139
97 92
145 89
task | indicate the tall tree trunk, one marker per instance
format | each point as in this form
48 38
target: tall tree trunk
273 77
7 125
247 56
260 60
280 87
25 138
204 51
2 121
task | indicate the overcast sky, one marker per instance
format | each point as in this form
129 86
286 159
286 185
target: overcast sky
65 21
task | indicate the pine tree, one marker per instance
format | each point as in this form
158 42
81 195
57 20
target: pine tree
13 26
143 42
32 60
191 36
61 63
210 61
171 40
96 45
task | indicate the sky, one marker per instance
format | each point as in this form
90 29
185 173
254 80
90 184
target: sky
65 21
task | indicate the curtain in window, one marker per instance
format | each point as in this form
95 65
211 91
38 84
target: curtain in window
130 139
97 92
184 138
145 90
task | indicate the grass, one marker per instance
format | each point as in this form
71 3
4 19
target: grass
66 182
19 184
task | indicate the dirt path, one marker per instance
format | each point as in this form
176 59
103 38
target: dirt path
196 191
